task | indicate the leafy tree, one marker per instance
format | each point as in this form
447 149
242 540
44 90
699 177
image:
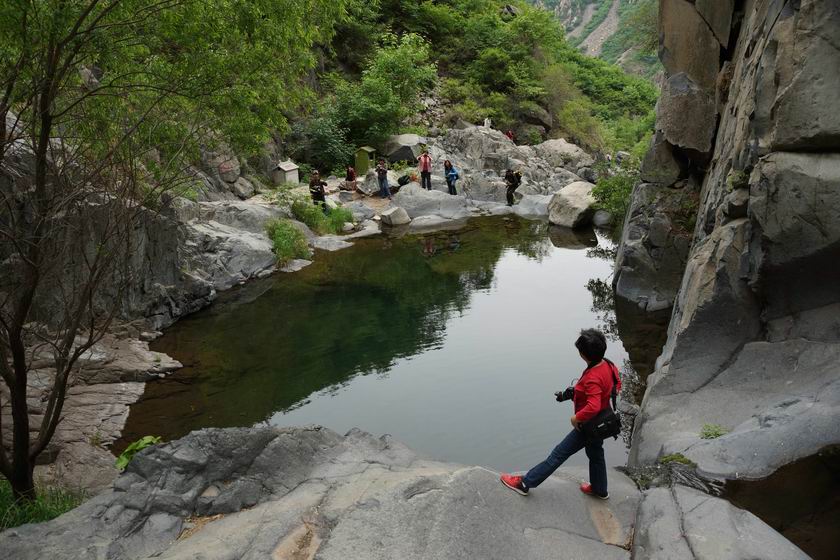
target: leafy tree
102 104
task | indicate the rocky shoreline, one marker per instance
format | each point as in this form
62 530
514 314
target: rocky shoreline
309 492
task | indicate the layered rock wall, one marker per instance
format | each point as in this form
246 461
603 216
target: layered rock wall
750 112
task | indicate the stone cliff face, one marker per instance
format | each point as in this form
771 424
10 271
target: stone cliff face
750 114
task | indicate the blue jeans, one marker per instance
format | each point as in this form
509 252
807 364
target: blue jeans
573 443
384 189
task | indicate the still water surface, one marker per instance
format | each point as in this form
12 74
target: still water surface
452 342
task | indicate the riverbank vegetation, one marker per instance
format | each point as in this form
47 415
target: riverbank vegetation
50 503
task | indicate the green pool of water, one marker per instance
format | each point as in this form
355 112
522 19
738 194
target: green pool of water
452 342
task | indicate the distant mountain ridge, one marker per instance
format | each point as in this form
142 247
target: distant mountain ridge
609 29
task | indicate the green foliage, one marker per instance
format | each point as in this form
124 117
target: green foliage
737 180
321 141
712 431
321 223
676 458
135 447
289 242
373 108
50 503
612 191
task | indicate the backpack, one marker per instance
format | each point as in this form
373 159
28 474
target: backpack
606 423
404 180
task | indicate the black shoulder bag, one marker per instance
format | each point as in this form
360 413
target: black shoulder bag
606 423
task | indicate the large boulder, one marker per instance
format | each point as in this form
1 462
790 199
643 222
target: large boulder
533 206
419 202
573 206
309 492
404 147
560 153
661 164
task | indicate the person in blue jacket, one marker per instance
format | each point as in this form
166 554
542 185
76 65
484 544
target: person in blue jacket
451 176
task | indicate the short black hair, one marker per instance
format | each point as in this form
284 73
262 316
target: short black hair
592 344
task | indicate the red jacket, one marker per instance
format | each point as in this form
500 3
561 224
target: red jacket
593 389
425 161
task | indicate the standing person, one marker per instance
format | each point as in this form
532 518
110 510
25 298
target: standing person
591 395
382 175
451 176
350 179
424 163
513 180
316 189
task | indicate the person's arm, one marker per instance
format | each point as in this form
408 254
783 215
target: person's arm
592 390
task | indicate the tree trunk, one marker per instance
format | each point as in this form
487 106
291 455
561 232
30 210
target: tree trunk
22 481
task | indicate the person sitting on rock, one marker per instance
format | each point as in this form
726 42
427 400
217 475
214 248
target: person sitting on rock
424 163
382 176
316 189
350 179
451 176
590 395
511 136
513 180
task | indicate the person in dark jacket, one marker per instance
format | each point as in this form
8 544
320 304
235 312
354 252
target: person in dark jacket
451 175
513 180
382 176
591 395
317 191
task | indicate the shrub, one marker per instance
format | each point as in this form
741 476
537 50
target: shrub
613 192
319 222
126 456
676 458
289 242
337 217
712 431
50 503
321 141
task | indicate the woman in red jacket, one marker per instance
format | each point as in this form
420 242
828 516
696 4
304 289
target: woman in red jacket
591 395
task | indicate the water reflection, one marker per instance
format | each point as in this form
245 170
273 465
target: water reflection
454 342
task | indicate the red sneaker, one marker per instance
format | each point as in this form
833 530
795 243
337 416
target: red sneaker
514 483
586 488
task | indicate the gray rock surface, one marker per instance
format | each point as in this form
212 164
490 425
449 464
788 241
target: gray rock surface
302 492
404 147
654 246
685 113
560 153
417 201
753 340
573 206
680 522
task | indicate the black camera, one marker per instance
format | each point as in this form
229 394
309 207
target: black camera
565 395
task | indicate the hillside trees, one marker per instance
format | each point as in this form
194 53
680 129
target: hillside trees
102 105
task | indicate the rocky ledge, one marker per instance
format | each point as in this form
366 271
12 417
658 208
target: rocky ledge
311 493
